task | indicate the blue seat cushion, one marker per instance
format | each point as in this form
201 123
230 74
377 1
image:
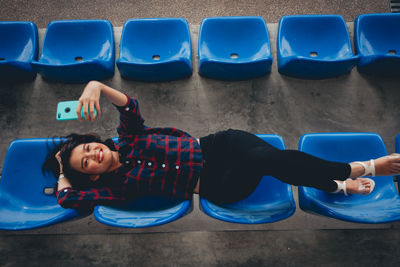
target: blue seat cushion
271 201
381 206
143 212
23 203
147 211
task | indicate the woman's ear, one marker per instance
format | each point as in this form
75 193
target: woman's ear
94 178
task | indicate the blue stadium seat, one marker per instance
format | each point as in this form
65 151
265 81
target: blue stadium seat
314 46
23 203
18 47
271 201
234 48
381 206
77 51
144 212
155 50
377 41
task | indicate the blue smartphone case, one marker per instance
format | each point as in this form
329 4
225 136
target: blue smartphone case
66 110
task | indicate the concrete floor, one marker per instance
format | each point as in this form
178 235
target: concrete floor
42 11
272 104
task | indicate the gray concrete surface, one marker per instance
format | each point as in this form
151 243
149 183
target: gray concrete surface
271 104
44 11
240 248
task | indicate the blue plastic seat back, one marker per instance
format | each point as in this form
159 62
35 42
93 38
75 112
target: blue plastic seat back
68 42
77 51
378 207
18 47
155 50
314 46
19 41
271 201
155 40
325 35
377 41
223 36
23 203
234 48
377 34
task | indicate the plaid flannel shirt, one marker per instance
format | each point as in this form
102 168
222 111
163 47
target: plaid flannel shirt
156 161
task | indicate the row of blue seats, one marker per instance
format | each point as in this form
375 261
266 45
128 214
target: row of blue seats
24 204
230 48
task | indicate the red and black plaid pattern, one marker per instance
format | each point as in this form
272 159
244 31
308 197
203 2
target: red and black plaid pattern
82 199
157 161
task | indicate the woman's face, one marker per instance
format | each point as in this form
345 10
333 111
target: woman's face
91 158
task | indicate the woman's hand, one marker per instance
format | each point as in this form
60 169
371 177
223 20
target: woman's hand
89 100
63 182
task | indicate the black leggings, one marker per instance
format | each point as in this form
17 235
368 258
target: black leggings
235 161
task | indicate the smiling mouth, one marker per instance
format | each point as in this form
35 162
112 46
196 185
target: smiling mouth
101 155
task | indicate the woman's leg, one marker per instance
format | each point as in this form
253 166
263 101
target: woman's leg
298 168
226 177
387 165
237 161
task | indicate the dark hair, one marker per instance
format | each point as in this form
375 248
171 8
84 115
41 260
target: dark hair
77 179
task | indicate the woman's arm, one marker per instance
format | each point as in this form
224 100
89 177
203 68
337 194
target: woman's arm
83 199
90 99
67 197
63 182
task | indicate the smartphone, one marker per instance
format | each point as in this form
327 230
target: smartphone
66 110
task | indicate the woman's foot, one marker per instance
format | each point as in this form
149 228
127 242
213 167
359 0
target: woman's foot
387 165
362 186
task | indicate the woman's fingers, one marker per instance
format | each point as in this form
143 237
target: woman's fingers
396 165
395 169
91 110
88 106
97 105
85 110
78 110
89 100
